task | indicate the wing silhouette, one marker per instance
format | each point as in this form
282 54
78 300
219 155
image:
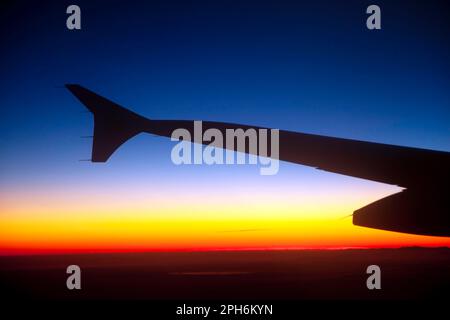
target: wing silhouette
423 207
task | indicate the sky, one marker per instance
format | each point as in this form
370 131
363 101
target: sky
310 67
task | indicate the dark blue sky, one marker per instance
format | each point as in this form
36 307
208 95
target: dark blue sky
311 67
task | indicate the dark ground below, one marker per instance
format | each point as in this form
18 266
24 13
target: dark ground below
407 273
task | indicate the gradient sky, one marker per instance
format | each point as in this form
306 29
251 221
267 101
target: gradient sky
309 67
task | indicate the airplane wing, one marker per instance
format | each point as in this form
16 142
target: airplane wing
422 208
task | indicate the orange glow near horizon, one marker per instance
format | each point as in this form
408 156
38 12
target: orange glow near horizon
58 226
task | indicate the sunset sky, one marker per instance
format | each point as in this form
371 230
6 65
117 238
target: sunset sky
311 68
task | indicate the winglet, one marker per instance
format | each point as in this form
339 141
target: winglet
113 124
